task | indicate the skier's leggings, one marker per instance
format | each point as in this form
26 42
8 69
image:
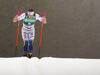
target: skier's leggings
29 45
28 38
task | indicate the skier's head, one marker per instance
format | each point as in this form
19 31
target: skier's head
30 13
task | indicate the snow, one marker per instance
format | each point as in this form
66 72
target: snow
49 66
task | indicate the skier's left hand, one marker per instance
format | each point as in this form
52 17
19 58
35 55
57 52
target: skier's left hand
43 14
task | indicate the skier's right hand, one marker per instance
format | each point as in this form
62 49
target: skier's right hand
19 12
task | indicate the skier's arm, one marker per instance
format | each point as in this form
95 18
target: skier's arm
15 18
18 14
41 18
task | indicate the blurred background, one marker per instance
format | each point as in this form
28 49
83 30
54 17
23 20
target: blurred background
72 29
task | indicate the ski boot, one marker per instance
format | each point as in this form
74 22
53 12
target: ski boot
24 55
29 55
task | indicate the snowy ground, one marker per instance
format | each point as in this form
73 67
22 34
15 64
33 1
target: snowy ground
49 66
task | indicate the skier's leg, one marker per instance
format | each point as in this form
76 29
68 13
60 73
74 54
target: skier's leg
25 39
30 49
30 46
31 39
25 47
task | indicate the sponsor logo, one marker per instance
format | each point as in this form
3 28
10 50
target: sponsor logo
30 20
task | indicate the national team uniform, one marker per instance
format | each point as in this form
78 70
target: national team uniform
28 30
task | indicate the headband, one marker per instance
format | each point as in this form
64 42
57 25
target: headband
30 13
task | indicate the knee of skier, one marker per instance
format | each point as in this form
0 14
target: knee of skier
30 43
26 43
30 46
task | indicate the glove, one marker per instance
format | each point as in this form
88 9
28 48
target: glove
19 12
43 14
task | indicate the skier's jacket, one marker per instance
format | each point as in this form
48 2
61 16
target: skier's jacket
27 22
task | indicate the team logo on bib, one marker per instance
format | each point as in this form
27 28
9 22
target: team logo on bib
28 20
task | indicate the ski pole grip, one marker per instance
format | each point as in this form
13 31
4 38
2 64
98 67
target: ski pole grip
43 14
19 12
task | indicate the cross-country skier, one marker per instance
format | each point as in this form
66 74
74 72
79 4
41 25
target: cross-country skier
28 31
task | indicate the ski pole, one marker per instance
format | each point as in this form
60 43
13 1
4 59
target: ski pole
40 37
17 34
